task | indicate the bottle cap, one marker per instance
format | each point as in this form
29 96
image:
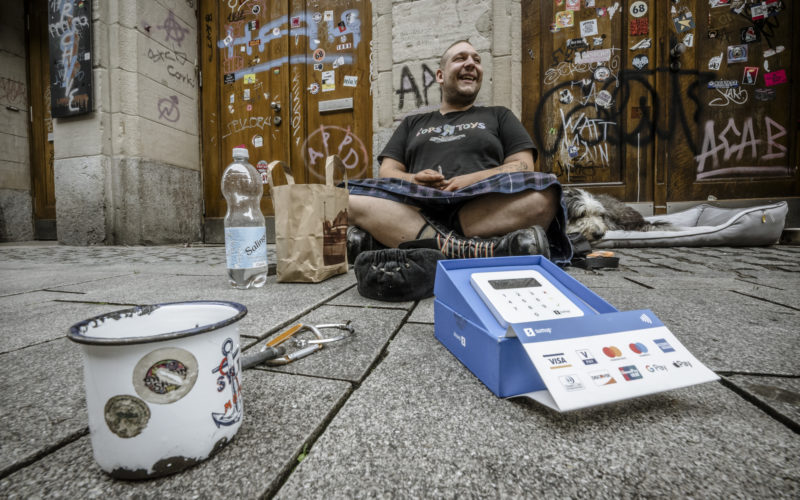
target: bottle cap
241 152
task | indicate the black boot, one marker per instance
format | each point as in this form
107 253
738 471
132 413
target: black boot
529 241
359 241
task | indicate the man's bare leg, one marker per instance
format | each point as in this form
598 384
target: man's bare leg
387 221
499 214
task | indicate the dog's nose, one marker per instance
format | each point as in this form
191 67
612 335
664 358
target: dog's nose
597 235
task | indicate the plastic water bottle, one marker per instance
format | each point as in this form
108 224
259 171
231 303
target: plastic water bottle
245 230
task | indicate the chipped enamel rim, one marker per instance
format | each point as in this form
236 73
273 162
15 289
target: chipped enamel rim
77 332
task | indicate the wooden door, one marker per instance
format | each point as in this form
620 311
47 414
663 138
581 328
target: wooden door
658 133
735 111
290 81
42 151
588 108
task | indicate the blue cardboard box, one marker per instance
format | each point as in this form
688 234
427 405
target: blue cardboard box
468 329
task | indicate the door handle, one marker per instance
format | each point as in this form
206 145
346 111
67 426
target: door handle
276 106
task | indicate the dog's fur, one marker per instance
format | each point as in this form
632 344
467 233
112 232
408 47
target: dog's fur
591 215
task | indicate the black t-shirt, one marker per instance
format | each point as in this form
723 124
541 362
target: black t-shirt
461 142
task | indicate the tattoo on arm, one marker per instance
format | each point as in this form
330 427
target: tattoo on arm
517 166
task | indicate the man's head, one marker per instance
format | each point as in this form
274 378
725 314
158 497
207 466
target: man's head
460 74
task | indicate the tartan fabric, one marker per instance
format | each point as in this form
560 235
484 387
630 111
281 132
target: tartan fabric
425 197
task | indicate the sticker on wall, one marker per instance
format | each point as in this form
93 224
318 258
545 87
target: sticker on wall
343 38
232 99
640 62
339 61
252 25
589 27
684 22
342 27
316 17
639 27
593 56
276 31
776 50
737 6
126 416
246 95
718 3
314 88
758 12
749 35
243 48
328 15
765 95
644 43
228 78
262 167
715 62
227 40
257 141
613 10
603 99
166 375
249 107
723 84
572 151
256 9
589 4
295 22
554 28
638 9
750 75
565 96
328 81
344 46
249 78
573 5
602 74
254 43
319 55
775 78
565 19
317 66
231 109
598 41
350 81
577 43
737 53
688 40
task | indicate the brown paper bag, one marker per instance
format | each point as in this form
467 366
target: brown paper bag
310 226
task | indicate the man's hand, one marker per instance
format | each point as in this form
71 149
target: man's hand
462 181
429 177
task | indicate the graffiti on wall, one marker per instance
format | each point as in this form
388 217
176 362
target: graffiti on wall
408 85
70 35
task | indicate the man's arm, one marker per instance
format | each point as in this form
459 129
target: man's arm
393 168
518 162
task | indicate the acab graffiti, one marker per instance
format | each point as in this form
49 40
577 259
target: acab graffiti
724 145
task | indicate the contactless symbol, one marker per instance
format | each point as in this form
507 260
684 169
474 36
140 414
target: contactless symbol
126 416
638 348
571 382
612 352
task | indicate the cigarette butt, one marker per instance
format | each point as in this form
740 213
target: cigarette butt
440 170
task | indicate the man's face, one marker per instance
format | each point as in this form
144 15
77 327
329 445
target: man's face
461 75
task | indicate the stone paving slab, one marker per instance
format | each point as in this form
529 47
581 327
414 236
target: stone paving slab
780 393
348 359
422 426
727 331
32 318
22 280
423 313
282 413
44 400
268 307
352 298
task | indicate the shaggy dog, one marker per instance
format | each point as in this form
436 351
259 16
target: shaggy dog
592 215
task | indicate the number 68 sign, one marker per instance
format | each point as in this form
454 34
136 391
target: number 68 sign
638 9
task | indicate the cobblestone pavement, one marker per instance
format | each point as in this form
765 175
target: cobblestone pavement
391 412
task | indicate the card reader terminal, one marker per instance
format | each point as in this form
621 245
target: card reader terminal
522 295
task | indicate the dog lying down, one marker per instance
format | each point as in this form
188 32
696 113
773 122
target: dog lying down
592 215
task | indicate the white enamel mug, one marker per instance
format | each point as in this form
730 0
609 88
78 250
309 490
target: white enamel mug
163 385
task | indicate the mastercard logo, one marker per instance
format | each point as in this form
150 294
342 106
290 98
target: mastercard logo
612 352
638 348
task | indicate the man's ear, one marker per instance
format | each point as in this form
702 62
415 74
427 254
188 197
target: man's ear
439 76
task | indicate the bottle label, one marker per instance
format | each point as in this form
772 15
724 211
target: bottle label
246 247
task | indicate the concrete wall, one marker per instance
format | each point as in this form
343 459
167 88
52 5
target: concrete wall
409 38
16 203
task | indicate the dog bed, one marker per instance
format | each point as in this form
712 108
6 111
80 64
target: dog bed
707 225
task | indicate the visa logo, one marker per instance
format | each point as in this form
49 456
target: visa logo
557 361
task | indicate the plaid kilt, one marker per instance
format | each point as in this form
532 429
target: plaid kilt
425 197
